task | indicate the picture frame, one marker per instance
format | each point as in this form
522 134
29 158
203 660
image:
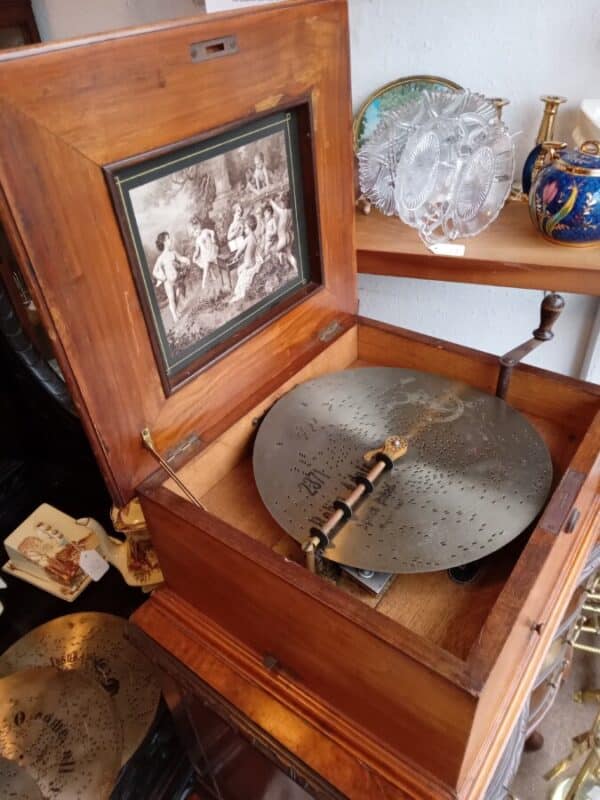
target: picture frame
222 235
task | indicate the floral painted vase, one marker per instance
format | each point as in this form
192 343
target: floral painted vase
564 201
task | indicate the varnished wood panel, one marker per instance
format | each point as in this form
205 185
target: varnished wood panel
229 446
169 629
511 252
521 627
277 608
65 111
499 649
430 605
569 402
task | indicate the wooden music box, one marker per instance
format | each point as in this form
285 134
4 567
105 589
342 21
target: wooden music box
180 198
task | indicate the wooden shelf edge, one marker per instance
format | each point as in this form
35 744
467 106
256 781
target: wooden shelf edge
509 253
465 270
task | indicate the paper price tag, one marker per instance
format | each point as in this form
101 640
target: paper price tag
448 249
92 563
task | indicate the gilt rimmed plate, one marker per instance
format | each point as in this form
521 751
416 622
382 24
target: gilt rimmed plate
392 96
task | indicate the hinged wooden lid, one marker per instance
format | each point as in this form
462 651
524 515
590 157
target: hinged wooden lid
70 109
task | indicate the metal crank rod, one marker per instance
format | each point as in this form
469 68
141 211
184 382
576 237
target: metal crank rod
384 457
552 305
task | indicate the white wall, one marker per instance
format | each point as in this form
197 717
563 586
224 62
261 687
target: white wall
518 49
63 19
490 318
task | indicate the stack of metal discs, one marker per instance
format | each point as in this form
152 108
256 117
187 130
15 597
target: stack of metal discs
76 701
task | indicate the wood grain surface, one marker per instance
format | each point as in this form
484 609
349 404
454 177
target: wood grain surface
186 642
511 252
68 110
254 588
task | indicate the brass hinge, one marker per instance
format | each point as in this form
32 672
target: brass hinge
148 443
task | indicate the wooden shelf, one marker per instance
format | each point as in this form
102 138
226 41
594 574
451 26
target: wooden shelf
509 253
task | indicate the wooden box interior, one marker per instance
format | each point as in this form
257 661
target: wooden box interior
446 614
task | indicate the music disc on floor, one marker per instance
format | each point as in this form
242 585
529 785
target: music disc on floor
16 783
62 728
97 645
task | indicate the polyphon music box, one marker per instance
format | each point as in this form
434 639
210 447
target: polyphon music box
367 552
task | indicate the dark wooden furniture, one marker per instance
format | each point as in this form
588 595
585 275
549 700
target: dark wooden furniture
414 695
17 24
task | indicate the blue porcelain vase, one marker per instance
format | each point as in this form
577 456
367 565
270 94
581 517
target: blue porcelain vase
528 168
564 201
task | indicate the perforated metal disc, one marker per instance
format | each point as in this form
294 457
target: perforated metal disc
16 783
97 645
62 728
474 477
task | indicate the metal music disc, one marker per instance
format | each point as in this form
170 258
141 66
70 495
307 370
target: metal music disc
97 645
475 475
63 729
16 783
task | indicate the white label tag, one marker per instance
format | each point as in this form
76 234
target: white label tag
92 563
234 5
447 249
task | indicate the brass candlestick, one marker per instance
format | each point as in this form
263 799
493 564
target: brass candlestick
551 105
545 133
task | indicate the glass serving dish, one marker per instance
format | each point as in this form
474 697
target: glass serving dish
379 157
445 165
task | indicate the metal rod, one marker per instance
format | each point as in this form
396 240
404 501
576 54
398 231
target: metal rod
149 445
587 648
589 629
393 448
588 769
310 549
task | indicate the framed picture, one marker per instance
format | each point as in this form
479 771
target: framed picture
222 235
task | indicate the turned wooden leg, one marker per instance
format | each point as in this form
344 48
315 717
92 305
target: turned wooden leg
534 742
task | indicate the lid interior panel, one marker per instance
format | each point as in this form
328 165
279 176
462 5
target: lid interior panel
70 110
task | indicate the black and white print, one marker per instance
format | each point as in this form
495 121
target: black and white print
217 233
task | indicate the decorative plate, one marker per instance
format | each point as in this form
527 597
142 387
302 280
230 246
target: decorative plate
379 157
392 96
455 171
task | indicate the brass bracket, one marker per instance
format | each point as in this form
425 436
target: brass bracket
394 448
148 443
329 332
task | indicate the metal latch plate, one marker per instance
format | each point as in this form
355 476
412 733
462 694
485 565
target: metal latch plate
213 48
